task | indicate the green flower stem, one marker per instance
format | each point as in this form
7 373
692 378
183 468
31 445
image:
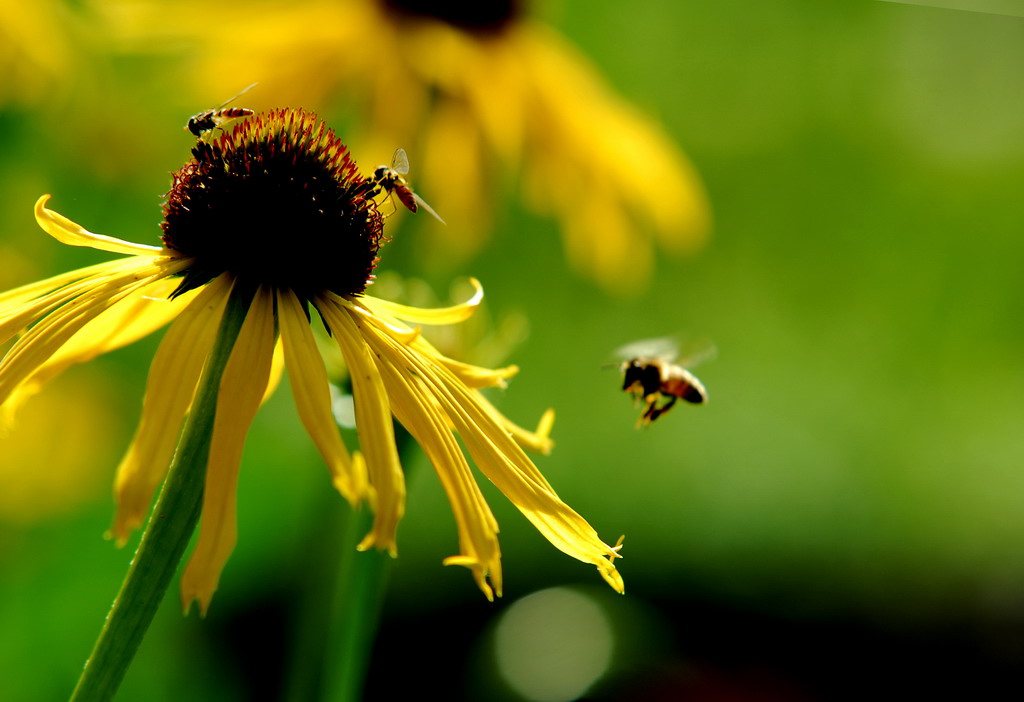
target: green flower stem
341 601
170 526
362 583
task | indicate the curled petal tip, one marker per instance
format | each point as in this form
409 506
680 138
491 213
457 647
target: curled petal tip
478 294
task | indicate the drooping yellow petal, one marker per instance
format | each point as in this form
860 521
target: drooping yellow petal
538 440
14 299
23 309
430 316
127 321
67 232
51 332
373 421
239 396
501 459
276 371
478 376
402 333
418 412
474 376
311 389
172 381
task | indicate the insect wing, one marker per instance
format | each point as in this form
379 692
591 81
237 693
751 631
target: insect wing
400 162
241 92
693 353
662 349
422 203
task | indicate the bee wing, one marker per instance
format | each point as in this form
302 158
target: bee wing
400 163
662 349
422 203
696 352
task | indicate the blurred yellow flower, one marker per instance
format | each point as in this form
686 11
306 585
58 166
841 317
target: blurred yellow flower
36 57
278 207
473 91
30 494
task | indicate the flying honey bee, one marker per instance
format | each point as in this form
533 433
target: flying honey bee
650 375
203 123
390 179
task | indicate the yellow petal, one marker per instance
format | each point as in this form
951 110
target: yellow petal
125 322
478 376
501 459
495 88
399 331
311 389
538 440
67 232
172 381
14 299
241 390
418 315
23 309
51 332
418 412
454 143
276 371
373 421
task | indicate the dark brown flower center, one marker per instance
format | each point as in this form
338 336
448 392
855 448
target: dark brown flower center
473 17
277 200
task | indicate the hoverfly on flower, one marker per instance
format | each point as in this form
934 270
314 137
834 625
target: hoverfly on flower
391 179
203 123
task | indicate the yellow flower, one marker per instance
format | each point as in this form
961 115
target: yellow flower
36 60
277 205
471 91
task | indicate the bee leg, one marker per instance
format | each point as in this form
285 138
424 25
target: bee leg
390 198
668 405
656 412
650 410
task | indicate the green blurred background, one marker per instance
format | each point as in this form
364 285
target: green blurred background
844 518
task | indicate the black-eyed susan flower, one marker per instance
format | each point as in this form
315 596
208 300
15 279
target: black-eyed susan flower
276 207
471 91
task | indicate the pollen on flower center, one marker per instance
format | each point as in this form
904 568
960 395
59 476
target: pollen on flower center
277 201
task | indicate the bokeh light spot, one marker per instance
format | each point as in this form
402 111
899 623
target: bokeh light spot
551 646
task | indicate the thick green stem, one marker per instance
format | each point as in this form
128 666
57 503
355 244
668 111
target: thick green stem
170 526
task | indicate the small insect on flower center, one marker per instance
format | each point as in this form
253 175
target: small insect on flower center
277 200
